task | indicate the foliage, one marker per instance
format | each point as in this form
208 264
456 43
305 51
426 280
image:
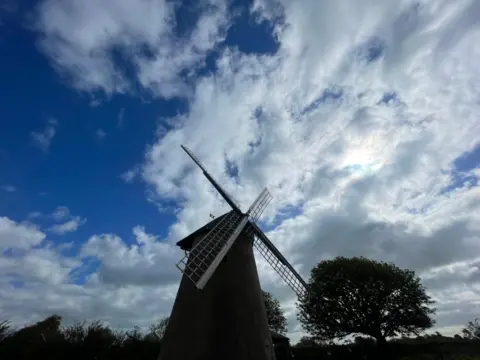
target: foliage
96 340
5 330
364 341
42 331
276 319
307 341
350 296
420 357
99 335
133 337
472 331
433 357
75 333
157 330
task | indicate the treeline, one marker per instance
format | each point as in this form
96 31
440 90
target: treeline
428 347
47 339
369 301
96 340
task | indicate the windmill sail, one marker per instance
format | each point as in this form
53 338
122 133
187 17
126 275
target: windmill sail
200 259
276 260
221 254
222 192
200 264
260 203
205 257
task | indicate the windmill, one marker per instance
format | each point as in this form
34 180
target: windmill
219 310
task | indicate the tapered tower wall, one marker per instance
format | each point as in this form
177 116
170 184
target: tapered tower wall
224 320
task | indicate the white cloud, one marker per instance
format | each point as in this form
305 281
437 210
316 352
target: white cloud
129 175
60 213
134 28
100 134
43 139
9 188
36 266
363 177
34 215
18 236
69 226
46 281
120 117
69 223
137 264
7 8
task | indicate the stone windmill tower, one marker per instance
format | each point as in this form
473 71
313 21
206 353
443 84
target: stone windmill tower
219 311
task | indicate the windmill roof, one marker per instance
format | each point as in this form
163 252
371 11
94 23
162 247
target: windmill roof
187 242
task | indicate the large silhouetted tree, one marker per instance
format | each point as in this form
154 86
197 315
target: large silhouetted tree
361 296
276 319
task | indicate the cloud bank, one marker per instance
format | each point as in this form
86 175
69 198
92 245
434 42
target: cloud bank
356 124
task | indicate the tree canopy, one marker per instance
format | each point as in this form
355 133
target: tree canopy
276 319
81 340
350 296
472 330
307 341
5 330
157 330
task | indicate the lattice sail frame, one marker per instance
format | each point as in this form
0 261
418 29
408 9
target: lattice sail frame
277 261
259 205
204 258
266 248
285 273
196 263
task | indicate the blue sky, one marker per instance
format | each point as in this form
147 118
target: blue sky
80 169
362 120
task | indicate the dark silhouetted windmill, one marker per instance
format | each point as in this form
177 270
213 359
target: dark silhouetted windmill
219 311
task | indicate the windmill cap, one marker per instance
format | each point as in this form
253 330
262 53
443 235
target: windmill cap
187 242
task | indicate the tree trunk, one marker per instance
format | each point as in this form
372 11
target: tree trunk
381 341
382 346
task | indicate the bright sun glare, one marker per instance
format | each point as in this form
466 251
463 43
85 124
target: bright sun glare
362 160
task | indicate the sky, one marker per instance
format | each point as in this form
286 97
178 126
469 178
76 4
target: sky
361 118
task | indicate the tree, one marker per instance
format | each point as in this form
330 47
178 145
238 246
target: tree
364 341
276 320
40 332
472 331
28 341
83 334
133 337
157 330
75 333
5 330
99 336
349 296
